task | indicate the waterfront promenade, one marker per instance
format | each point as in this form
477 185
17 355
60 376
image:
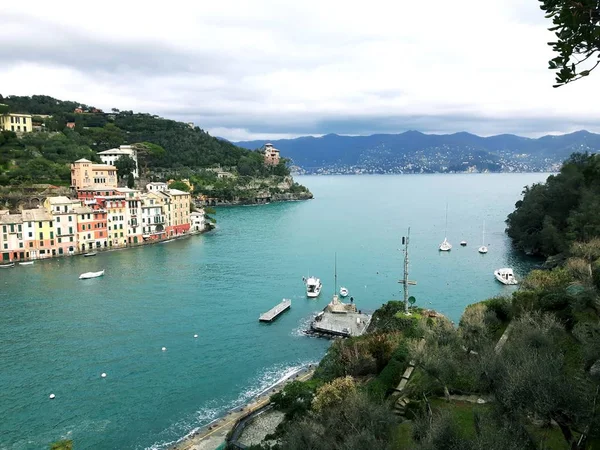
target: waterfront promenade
211 436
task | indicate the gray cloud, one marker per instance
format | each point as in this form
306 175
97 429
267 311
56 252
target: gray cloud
269 68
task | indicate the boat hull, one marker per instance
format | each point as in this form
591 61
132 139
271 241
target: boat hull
508 281
7 266
89 275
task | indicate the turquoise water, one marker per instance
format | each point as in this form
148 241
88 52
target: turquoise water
58 334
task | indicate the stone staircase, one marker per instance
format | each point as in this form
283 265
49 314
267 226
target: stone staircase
402 400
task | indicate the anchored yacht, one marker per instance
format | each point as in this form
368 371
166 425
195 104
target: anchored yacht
313 287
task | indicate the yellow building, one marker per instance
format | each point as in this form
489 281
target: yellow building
87 175
176 210
19 123
39 233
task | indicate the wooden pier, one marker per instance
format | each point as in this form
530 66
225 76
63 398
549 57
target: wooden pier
274 312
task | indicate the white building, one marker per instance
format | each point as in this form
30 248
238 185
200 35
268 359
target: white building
153 219
156 186
110 156
197 220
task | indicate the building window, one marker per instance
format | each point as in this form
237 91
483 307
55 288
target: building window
59 240
12 128
58 219
41 236
20 245
12 119
31 245
30 234
51 242
71 218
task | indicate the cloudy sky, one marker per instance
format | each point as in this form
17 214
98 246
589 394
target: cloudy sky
268 69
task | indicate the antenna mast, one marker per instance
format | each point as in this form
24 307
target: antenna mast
405 281
335 276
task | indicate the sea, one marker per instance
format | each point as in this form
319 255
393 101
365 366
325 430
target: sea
58 334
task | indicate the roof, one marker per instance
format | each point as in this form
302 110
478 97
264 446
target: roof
35 215
83 210
156 183
122 150
83 160
11 218
127 190
176 192
103 167
60 199
4 211
196 213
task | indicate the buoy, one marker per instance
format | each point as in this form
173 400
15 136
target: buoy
164 349
52 396
195 335
103 375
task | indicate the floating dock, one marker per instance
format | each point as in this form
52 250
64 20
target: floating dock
276 311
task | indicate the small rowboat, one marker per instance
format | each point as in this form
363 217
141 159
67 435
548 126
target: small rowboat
88 275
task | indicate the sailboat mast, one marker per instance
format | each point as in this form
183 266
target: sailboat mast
483 234
446 226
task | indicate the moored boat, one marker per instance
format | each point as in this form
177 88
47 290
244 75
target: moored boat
28 263
446 246
483 249
7 266
343 292
505 276
463 243
90 254
313 287
88 275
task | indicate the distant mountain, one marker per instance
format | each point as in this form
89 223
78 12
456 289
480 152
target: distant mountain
415 152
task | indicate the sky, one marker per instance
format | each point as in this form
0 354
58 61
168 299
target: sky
267 69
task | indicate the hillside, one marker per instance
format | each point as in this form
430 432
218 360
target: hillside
44 157
415 152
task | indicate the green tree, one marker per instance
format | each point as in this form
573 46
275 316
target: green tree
130 181
179 185
125 166
4 109
576 25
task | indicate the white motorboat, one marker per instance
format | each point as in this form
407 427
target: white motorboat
483 249
313 287
90 254
88 275
463 243
343 292
7 266
28 263
446 246
505 276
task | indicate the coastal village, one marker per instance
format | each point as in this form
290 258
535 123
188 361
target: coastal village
98 214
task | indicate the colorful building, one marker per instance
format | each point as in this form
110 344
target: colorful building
116 212
133 214
176 211
98 177
111 156
65 224
271 155
12 244
19 123
153 218
39 233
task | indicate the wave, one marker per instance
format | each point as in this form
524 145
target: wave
212 412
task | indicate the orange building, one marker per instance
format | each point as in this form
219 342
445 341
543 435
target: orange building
87 175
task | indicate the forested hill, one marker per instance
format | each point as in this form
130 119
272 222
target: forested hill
413 151
44 157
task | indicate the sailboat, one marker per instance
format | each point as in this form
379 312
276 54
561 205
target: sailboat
446 246
483 249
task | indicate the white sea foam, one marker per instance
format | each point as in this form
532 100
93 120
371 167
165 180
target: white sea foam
263 383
